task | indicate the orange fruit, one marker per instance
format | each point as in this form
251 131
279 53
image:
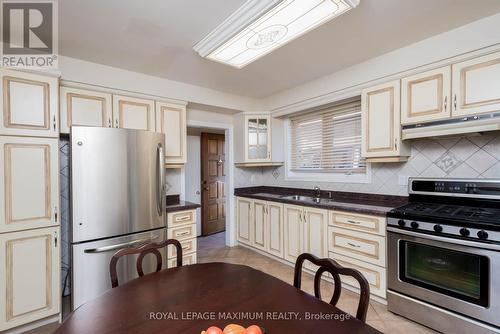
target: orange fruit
254 329
234 329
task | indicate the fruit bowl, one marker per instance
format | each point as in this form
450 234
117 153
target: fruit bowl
235 329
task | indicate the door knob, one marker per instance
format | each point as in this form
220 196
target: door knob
198 192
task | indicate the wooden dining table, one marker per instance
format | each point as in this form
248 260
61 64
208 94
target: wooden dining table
192 298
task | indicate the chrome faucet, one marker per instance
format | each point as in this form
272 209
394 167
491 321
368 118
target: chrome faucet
318 191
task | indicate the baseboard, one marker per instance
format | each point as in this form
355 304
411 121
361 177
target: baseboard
33 325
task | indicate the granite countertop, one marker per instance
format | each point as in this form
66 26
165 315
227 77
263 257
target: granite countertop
175 204
371 204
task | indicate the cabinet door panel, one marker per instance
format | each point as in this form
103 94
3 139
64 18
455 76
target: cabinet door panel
257 138
315 234
426 96
476 85
244 214
293 231
133 113
30 104
30 182
84 107
30 276
259 225
275 228
171 120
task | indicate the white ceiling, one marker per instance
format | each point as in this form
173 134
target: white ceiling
156 37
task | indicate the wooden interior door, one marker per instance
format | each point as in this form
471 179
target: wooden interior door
213 180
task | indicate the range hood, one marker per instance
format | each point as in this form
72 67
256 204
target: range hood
453 126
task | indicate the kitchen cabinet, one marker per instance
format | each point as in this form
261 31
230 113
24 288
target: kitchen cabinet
275 229
380 124
315 234
171 120
29 184
29 284
244 215
293 217
30 104
476 85
84 107
181 225
259 140
259 221
426 97
133 113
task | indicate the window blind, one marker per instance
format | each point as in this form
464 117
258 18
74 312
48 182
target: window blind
328 140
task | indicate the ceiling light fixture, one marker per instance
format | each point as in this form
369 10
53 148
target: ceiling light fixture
261 26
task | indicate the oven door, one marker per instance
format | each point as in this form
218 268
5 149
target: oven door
450 273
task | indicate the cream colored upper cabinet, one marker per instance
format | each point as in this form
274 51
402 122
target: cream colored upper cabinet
30 182
84 107
476 85
171 120
259 225
133 113
257 138
30 104
380 126
29 284
294 217
275 228
244 214
426 96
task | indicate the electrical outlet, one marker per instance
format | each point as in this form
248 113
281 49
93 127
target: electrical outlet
403 180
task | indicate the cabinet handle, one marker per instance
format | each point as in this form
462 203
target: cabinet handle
109 122
181 219
353 245
183 233
116 123
54 122
353 222
445 103
455 102
395 144
55 213
55 240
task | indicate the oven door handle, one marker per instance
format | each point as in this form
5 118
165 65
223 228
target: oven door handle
446 240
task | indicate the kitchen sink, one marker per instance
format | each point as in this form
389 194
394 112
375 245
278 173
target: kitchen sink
307 199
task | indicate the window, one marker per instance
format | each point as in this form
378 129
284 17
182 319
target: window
327 141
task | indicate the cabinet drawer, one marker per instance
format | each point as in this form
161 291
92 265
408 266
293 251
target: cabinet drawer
375 275
186 260
362 246
188 246
182 232
181 218
358 222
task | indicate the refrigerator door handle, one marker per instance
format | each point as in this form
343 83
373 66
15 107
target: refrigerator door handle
119 246
160 179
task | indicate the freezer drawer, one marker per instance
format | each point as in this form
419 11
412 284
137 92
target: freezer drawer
91 260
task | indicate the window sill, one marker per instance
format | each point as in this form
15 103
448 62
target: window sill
307 176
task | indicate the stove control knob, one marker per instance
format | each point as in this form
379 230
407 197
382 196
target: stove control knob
482 234
438 228
414 224
464 232
401 222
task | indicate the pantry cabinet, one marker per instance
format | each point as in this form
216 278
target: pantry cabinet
133 113
84 107
29 184
30 104
29 284
476 85
381 125
171 120
426 96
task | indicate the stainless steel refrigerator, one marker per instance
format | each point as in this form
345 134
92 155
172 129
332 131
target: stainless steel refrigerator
117 201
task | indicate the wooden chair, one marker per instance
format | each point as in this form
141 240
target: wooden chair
151 248
335 269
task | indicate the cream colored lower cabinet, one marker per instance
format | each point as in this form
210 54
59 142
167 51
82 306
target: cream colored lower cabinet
244 215
181 225
29 283
259 224
275 229
293 218
315 234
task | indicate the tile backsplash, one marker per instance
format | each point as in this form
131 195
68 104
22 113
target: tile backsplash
458 157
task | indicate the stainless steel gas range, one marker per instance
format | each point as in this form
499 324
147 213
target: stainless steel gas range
444 255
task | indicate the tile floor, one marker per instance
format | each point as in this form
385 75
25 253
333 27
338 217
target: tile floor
213 249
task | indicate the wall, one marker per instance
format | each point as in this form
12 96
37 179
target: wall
463 157
193 175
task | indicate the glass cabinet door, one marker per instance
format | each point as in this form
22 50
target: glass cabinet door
258 138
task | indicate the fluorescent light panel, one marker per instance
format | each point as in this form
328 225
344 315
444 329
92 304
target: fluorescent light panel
280 25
